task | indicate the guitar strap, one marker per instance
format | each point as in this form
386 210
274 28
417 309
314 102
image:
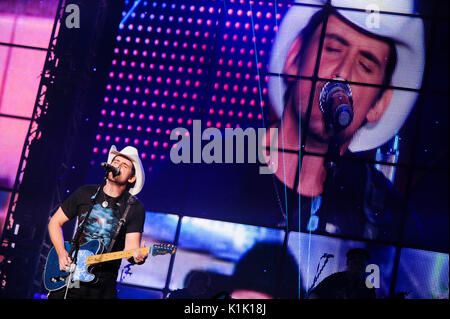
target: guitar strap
130 201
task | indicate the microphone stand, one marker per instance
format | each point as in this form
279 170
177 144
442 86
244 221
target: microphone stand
332 159
316 277
336 104
73 253
329 194
337 112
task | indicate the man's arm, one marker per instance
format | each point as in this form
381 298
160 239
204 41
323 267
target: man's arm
56 236
133 241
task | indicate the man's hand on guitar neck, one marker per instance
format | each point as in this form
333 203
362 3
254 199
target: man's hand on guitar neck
133 241
138 256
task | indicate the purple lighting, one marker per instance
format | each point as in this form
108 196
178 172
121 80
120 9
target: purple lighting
186 63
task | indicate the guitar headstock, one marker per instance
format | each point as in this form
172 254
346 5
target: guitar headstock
163 249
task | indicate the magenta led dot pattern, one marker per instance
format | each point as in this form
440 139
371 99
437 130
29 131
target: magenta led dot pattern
175 62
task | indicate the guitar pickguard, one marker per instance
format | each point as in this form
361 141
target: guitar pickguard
81 273
55 279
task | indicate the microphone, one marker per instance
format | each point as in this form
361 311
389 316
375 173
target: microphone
336 105
327 255
109 168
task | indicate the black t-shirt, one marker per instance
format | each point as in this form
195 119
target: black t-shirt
359 202
341 286
103 222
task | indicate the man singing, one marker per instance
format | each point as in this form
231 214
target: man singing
108 208
366 54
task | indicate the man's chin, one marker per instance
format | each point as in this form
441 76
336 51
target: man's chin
116 180
321 136
316 132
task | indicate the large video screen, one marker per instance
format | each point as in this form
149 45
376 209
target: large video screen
283 134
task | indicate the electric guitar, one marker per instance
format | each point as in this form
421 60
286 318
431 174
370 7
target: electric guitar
89 254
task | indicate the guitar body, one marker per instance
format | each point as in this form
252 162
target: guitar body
55 279
89 254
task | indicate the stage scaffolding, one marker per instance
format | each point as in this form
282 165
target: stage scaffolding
60 136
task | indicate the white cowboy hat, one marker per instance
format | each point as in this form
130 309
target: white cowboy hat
132 154
408 34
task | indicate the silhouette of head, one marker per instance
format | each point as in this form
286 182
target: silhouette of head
357 259
262 269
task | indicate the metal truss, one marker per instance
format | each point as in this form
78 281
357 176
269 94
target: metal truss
53 160
8 251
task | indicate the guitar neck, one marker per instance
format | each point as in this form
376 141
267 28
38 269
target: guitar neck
95 259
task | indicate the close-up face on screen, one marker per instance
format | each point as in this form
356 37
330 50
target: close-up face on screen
259 149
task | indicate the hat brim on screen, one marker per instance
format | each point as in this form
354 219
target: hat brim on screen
407 32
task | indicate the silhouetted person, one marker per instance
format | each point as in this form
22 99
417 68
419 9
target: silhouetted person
263 273
197 286
349 284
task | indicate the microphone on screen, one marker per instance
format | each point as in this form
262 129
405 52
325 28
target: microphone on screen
336 105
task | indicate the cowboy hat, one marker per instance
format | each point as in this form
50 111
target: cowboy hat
132 154
407 32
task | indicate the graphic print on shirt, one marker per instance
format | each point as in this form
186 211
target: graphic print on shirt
102 224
